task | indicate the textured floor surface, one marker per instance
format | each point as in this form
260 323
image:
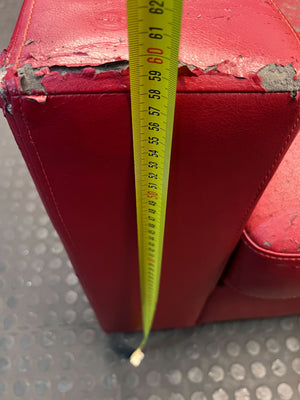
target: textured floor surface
51 346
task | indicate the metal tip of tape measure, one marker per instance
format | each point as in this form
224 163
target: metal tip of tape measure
137 357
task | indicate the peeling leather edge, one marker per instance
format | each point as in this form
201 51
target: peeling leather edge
7 104
30 78
109 66
274 77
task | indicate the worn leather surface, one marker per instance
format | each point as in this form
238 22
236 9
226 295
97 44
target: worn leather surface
221 54
74 132
262 278
291 9
267 260
275 222
92 33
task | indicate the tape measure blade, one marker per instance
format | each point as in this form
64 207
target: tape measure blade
153 33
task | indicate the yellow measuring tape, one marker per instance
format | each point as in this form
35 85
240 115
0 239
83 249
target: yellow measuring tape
153 35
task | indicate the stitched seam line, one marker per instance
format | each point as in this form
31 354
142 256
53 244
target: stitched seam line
196 92
25 35
30 135
249 293
269 173
21 144
24 149
293 129
12 45
264 255
284 19
45 176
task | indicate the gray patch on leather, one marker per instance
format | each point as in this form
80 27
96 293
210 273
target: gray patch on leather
8 106
110 66
279 78
29 80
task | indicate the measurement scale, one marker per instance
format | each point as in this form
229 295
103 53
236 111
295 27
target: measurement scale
153 36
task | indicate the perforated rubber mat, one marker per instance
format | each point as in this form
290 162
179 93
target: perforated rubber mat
51 346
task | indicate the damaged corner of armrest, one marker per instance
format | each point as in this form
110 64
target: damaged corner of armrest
279 78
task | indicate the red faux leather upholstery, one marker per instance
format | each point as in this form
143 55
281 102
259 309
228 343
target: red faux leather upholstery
263 276
267 261
291 10
65 93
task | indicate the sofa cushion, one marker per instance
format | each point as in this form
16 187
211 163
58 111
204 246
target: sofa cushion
266 263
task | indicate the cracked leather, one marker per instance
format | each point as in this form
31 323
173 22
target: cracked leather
230 135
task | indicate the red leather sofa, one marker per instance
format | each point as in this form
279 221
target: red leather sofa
65 92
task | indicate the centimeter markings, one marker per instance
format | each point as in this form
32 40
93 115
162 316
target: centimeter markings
153 35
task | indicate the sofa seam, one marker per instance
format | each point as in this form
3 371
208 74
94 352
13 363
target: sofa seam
285 20
46 178
257 195
251 294
25 35
11 45
25 95
269 172
264 255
